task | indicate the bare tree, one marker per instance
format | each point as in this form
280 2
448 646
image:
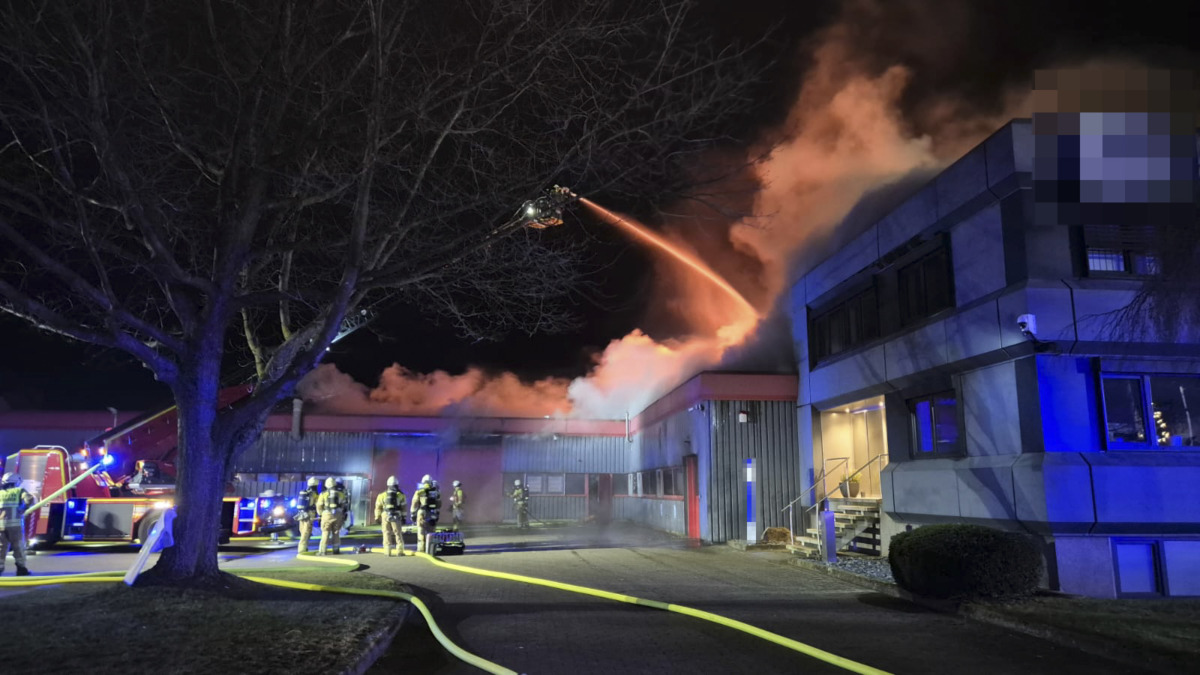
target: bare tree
178 178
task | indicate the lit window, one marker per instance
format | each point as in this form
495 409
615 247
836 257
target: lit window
1162 422
1102 260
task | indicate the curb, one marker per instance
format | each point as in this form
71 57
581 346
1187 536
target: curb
379 642
984 614
741 545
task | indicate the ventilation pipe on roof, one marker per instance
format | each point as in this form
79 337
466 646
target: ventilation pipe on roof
297 407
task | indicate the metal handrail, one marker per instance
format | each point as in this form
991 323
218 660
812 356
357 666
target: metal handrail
819 480
822 481
864 466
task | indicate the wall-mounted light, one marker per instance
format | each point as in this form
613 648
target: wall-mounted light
743 417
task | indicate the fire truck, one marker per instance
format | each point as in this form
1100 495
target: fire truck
101 508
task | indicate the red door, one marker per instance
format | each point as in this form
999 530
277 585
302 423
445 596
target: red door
693 496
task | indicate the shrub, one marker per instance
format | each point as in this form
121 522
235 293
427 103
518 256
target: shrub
964 562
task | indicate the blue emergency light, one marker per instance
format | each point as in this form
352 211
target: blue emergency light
107 461
264 503
292 503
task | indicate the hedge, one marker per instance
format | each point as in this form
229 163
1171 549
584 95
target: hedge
965 562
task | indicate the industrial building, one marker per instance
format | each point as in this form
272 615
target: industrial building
678 466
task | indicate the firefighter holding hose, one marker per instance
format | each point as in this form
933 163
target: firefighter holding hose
520 497
425 511
332 507
306 513
14 499
390 507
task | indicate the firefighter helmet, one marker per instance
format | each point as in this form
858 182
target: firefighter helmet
517 483
9 478
457 483
329 483
313 482
391 481
339 482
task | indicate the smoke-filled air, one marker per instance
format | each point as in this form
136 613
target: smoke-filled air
844 138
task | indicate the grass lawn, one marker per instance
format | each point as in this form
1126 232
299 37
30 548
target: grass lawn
1167 627
111 628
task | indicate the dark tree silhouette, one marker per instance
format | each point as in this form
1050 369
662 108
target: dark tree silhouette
181 179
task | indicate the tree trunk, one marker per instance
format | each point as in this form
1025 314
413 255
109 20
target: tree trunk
200 487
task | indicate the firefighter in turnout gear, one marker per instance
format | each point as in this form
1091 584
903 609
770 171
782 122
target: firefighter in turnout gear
456 504
339 484
332 506
520 497
306 513
13 502
390 508
425 511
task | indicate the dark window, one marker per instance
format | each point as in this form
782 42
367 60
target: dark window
935 425
677 486
575 483
845 326
650 483
1120 249
620 483
1167 422
925 287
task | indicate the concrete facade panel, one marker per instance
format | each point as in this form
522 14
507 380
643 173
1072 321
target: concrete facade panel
908 220
1053 492
972 332
916 351
1146 491
985 489
920 488
848 376
844 264
977 252
988 397
962 183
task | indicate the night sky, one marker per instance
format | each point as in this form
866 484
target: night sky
972 52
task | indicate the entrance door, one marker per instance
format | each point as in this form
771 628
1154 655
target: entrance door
599 498
692 497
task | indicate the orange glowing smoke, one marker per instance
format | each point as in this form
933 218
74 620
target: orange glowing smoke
846 136
681 256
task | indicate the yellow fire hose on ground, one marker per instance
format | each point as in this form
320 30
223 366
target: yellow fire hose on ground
795 645
460 653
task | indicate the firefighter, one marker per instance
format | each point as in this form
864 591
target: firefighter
520 497
456 503
339 484
425 510
306 512
13 502
331 505
390 508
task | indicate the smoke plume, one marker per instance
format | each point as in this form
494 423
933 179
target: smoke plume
850 133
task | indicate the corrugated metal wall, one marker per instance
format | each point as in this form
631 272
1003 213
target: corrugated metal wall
566 454
770 437
669 515
544 507
315 452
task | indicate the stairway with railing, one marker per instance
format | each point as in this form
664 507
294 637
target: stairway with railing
832 524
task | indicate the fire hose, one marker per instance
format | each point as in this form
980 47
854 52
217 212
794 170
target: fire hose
795 645
462 654
458 652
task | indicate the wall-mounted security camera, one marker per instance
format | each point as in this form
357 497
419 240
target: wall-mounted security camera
1027 323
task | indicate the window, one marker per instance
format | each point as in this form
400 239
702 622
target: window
935 425
925 287
621 484
649 483
1120 249
575 483
849 324
674 482
1151 411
